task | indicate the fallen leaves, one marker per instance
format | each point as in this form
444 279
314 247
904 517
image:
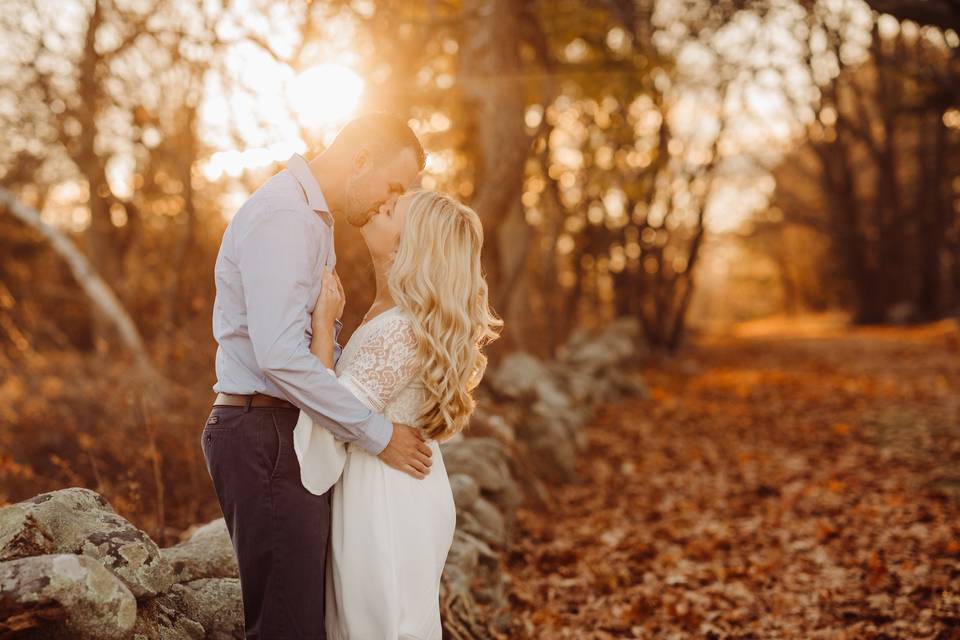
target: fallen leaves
785 487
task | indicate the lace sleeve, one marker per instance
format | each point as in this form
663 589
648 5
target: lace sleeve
384 364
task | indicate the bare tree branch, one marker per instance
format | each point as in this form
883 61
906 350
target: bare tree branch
938 13
93 285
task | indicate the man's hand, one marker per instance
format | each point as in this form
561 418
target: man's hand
408 452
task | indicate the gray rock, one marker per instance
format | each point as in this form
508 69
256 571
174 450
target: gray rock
207 553
546 395
491 424
464 553
456 582
501 429
216 604
594 365
81 521
21 532
508 498
563 415
629 385
81 598
584 387
550 394
551 450
164 617
606 386
493 526
518 375
604 349
483 459
465 490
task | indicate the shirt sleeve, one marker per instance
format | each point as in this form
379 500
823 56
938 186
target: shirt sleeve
277 259
384 364
337 349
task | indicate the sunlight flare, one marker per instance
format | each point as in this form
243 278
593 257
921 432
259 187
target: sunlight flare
326 94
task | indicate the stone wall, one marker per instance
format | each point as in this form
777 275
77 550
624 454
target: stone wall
71 567
524 436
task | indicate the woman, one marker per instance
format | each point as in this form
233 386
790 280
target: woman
415 358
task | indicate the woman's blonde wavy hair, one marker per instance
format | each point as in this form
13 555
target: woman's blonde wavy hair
436 277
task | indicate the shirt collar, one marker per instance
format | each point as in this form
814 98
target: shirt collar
300 170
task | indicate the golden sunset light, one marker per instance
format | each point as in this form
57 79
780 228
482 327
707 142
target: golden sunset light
325 95
317 101
627 319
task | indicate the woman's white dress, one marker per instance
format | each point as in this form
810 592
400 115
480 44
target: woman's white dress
390 533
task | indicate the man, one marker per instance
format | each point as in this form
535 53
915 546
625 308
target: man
268 275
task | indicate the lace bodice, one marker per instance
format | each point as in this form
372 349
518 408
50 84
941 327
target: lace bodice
379 366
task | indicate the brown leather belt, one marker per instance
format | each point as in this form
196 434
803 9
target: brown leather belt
254 400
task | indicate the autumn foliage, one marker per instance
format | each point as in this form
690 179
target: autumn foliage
801 484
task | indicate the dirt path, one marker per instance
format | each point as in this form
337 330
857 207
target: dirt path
787 484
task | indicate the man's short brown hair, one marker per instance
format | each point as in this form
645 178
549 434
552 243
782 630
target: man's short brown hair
383 131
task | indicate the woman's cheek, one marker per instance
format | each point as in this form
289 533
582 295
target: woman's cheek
397 229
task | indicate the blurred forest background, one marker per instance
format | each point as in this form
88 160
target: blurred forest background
691 164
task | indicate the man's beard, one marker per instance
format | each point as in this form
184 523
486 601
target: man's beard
357 215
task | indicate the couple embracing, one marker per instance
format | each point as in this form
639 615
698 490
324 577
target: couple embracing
325 460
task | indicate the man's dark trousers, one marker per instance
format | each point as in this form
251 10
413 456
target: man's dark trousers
278 528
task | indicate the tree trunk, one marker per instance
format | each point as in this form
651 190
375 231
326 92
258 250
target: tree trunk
100 294
837 182
179 285
493 94
933 214
939 13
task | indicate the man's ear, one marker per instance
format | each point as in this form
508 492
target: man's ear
361 160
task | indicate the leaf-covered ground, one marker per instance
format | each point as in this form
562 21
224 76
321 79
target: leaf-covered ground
801 482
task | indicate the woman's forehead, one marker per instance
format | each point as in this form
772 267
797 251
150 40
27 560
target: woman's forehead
404 201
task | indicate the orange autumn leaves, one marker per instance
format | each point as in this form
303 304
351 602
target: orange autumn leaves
778 486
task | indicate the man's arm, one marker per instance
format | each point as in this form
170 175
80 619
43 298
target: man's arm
277 257
337 349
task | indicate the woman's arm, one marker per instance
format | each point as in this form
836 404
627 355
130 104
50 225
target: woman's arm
383 364
321 345
327 311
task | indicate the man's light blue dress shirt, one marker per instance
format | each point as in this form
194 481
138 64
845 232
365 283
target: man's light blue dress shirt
268 275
